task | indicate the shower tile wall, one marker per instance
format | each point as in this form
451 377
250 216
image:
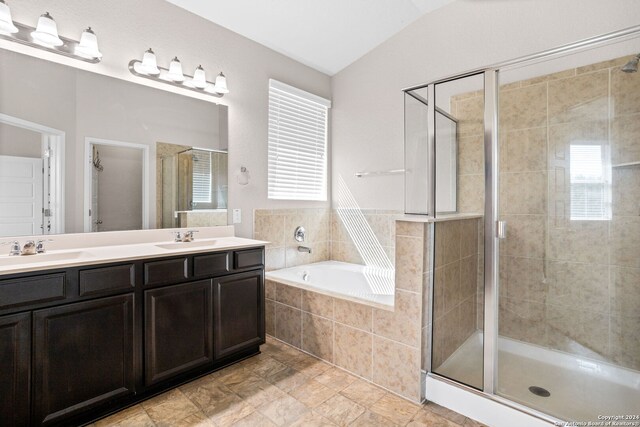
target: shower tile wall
570 285
456 282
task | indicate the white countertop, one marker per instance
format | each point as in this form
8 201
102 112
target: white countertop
90 254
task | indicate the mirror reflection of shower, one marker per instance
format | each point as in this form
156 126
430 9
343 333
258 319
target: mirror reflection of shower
194 188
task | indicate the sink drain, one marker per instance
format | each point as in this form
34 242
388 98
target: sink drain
539 391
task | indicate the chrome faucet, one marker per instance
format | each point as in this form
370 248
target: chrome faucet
40 249
15 247
304 249
186 236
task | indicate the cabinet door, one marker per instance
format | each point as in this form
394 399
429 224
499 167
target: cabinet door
83 357
178 328
15 361
238 312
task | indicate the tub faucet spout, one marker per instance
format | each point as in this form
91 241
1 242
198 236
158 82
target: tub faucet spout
304 249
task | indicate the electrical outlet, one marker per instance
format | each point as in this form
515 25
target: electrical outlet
237 216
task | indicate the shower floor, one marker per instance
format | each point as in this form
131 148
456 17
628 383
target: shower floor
581 388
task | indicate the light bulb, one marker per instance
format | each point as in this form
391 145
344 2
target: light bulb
6 23
46 32
199 78
175 70
88 45
221 84
149 64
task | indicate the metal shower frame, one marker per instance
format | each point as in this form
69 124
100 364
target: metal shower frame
491 258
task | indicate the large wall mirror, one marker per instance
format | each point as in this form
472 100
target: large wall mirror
84 152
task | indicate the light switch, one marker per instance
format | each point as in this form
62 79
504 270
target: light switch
237 216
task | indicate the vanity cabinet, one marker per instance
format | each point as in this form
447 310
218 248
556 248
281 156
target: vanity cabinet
179 329
238 312
15 368
83 356
79 343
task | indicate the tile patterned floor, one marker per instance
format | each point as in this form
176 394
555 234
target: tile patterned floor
282 387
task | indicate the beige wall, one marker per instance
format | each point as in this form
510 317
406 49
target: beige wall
19 142
368 108
125 29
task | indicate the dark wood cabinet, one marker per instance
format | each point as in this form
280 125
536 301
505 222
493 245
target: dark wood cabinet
238 312
79 343
179 329
15 362
83 357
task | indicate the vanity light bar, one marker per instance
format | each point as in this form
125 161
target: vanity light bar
45 37
147 68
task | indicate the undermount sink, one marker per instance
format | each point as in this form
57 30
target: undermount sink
186 245
37 258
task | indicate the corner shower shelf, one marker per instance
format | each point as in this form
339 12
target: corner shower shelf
380 173
626 165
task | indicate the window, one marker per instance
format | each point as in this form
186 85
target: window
201 176
297 163
590 183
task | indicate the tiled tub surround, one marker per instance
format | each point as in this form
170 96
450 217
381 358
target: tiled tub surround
379 345
327 236
564 284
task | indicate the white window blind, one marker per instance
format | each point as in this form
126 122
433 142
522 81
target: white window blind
590 186
201 177
297 163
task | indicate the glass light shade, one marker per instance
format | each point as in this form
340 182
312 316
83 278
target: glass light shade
88 44
199 78
149 64
221 84
6 23
175 70
46 32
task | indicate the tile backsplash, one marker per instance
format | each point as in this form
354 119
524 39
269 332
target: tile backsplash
356 236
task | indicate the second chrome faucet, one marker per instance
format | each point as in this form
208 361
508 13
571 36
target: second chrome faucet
300 234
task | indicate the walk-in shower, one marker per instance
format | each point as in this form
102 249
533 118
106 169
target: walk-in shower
536 276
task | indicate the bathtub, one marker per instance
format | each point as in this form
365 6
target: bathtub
368 285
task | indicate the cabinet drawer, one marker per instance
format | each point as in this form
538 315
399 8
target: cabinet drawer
97 281
209 265
166 271
248 258
31 290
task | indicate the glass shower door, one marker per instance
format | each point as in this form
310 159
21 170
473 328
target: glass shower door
458 288
569 291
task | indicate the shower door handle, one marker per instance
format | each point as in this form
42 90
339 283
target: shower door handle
501 229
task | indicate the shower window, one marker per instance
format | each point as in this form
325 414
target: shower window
590 186
202 177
